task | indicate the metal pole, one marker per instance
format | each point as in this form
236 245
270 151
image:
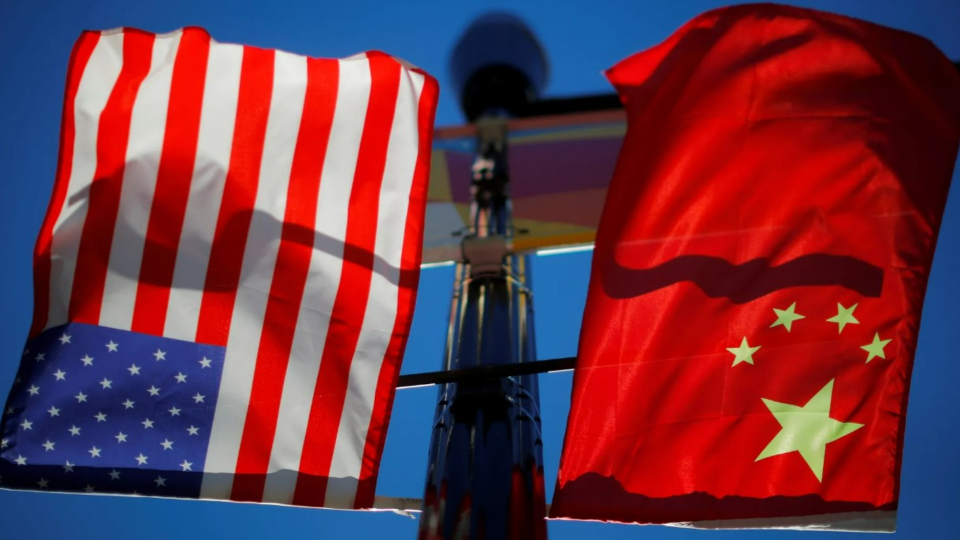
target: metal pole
485 474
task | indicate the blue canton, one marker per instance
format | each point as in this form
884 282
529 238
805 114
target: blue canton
100 410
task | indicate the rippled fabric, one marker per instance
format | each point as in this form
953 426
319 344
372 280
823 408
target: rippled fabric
759 274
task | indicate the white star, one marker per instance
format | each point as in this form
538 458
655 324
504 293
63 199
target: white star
4 442
127 404
21 460
81 397
88 489
60 375
100 417
205 363
161 481
154 391
174 411
34 389
120 437
198 398
134 369
193 430
105 383
48 445
186 466
114 474
40 357
68 467
64 339
9 410
26 424
74 431
167 444
112 347
87 360
141 459
147 424
53 411
180 377
43 483
94 452
160 355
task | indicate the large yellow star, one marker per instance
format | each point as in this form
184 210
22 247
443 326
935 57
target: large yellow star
807 429
844 316
743 353
876 348
786 317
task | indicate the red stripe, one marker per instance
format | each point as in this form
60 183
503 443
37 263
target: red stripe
104 194
409 279
174 174
239 195
289 280
351 301
82 50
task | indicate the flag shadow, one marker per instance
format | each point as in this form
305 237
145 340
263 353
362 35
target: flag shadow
258 246
156 482
745 282
597 497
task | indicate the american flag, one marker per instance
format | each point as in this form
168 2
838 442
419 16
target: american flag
226 276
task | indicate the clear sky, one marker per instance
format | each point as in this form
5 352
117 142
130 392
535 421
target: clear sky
582 39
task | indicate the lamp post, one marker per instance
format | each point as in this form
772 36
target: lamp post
485 471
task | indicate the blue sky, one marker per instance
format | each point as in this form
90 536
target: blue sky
582 39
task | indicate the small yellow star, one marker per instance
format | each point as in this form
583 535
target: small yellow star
743 353
844 316
876 348
786 317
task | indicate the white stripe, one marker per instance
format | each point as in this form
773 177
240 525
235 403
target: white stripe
323 279
214 144
147 126
259 258
94 89
381 312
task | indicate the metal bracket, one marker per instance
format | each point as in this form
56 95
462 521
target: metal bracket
485 255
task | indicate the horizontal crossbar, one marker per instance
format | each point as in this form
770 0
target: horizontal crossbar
485 372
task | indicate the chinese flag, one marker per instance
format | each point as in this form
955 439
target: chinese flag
759 274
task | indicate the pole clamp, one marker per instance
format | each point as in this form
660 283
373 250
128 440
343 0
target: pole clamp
485 255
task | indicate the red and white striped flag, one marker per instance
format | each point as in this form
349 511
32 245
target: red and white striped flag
263 202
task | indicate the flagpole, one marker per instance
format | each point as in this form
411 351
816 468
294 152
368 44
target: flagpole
485 471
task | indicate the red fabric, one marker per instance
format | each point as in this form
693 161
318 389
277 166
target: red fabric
409 281
42 263
773 155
